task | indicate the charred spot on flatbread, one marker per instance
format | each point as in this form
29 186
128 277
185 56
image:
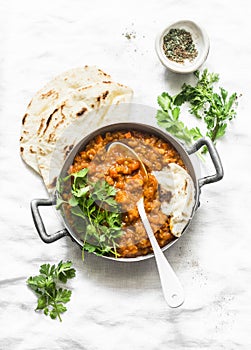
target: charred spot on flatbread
52 138
40 127
30 103
49 120
105 95
24 118
102 96
49 93
103 73
109 82
185 185
32 150
87 87
81 112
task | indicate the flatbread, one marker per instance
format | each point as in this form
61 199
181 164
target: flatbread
47 100
89 106
176 180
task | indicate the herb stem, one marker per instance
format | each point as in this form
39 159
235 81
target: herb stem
215 129
54 304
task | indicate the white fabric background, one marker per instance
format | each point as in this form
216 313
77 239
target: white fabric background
116 305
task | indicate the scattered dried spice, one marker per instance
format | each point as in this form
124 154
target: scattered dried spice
129 35
178 45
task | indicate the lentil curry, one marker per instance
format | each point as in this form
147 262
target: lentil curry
124 174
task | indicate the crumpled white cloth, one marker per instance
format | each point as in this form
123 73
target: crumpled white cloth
120 305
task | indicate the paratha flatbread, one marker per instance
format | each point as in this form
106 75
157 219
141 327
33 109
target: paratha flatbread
47 100
88 106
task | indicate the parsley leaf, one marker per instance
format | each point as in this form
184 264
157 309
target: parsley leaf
51 298
168 118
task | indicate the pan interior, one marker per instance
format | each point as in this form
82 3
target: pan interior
128 127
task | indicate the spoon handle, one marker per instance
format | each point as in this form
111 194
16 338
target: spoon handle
171 286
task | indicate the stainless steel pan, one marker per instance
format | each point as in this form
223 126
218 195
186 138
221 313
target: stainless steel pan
185 154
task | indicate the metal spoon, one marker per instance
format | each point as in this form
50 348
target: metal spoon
171 286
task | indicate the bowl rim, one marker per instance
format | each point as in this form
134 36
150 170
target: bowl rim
176 67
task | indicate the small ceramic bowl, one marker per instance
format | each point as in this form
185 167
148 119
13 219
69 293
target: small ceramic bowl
201 42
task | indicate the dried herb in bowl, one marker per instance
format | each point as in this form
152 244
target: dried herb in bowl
178 45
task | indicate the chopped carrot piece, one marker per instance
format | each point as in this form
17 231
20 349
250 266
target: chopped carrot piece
128 135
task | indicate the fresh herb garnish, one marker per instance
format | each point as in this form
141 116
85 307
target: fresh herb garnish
214 109
168 118
51 299
96 213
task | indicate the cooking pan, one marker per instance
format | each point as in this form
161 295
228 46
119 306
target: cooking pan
183 151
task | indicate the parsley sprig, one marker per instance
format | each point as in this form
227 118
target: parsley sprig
168 118
96 213
51 299
215 109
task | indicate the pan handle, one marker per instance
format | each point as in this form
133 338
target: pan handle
38 221
205 141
